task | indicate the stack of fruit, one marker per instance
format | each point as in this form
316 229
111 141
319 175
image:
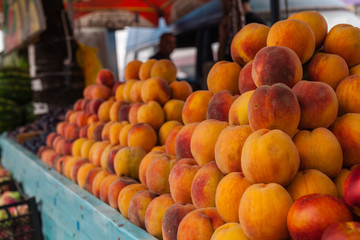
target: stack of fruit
270 151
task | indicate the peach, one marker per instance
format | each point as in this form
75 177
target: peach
172 218
79 104
105 133
319 149
96 182
318 104
294 34
75 168
199 224
132 70
183 140
145 69
248 41
342 230
105 154
138 205
92 118
204 184
134 107
50 138
155 213
67 166
219 105
58 144
98 132
351 192
93 106
229 146
69 129
115 86
145 163
127 88
355 70
104 110
82 118
96 150
100 91
343 40
89 179
127 161
224 75
60 127
126 195
327 68
275 152
274 107
181 178
123 114
152 114
230 230
155 89
203 140
310 215
195 106
173 110
340 181
105 77
114 131
170 140
105 186
87 91
246 82
158 148
83 132
66 148
166 128
180 90
311 181
263 211
115 109
135 92
164 69
82 173
347 94
123 135
141 135
276 64
48 156
316 22
228 195
238 112
157 174
119 93
111 158
347 129
115 189
59 162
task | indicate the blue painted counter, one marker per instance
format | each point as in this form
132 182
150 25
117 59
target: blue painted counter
67 210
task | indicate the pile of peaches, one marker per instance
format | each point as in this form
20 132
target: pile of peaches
270 151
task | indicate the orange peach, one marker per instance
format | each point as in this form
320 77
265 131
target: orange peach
115 189
111 158
158 148
105 186
355 70
180 90
127 161
138 205
96 182
246 82
87 91
81 118
115 130
145 163
294 34
135 92
275 152
181 178
166 128
319 149
164 69
82 173
219 105
204 138
105 154
58 164
347 94
132 70
89 179
119 93
340 181
141 135
50 138
170 140
238 112
274 107
229 146
155 213
155 89
195 106
75 168
263 211
152 114
127 88
104 110
318 104
123 135
105 77
199 224
67 166
123 114
115 109
126 195
105 133
145 69
173 110
229 230
183 141
134 107
96 150
92 118
100 91
93 107
98 132
327 68
224 75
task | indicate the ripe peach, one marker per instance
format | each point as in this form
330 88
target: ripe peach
183 140
82 172
105 133
340 181
195 106
96 150
181 178
164 69
294 34
127 161
246 82
219 105
141 135
224 75
134 107
127 88
115 110
126 195
100 176
87 91
152 114
105 154
145 163
158 148
132 70
89 179
275 152
100 91
75 168
111 158
138 205
263 211
123 135
166 128
135 92
105 186
342 230
319 149
96 134
82 118
155 89
355 70
248 41
119 93
347 129
93 107
327 68
145 69
204 138
238 112
170 140
173 110
115 189
67 166
347 93
229 230
351 190
274 107
115 130
180 90
204 184
104 110
105 77
155 212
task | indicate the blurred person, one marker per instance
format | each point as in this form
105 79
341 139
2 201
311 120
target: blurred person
166 46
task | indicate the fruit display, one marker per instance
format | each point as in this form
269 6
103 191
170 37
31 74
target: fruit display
270 151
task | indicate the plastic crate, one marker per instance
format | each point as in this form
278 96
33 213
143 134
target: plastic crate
24 223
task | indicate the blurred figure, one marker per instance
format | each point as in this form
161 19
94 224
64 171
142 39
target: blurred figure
166 46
